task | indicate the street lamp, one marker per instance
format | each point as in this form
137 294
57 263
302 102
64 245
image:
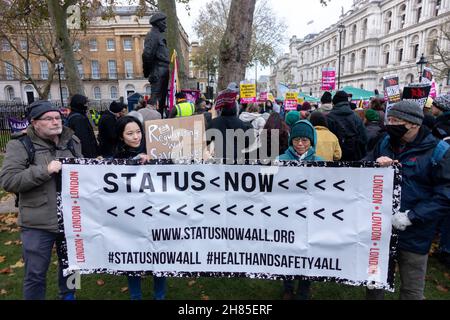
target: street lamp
420 65
60 66
210 86
340 29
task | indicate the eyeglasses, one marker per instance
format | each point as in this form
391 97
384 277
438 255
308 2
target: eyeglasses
302 140
49 119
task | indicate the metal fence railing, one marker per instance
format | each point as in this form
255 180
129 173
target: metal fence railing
9 109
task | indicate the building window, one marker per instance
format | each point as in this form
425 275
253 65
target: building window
76 46
127 44
352 62
129 89
62 73
354 34
95 69
419 14
27 68
388 21
364 29
23 45
416 51
93 45
9 71
97 93
448 78
110 45
5 45
129 69
44 70
80 69
65 93
400 55
114 93
437 7
387 58
10 95
363 59
112 69
402 16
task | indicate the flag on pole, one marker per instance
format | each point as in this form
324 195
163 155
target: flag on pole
174 86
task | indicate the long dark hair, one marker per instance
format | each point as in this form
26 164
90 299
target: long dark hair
123 150
275 122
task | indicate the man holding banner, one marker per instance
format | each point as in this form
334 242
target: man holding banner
425 195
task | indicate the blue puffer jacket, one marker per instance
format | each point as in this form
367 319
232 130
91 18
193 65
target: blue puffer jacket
292 155
425 188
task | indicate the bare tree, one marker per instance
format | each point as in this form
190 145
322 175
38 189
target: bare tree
440 62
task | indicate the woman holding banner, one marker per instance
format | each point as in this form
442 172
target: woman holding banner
131 145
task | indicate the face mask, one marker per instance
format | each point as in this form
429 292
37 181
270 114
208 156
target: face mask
396 132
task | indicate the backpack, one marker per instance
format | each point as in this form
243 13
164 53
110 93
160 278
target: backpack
349 139
31 152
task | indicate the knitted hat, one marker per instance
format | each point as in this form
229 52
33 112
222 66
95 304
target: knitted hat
116 107
292 117
303 129
372 115
39 108
326 97
233 86
340 96
306 106
406 110
78 102
443 102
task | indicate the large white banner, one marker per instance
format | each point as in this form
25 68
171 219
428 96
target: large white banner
321 222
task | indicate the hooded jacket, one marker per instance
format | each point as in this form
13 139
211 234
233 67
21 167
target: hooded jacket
256 119
425 188
292 155
37 189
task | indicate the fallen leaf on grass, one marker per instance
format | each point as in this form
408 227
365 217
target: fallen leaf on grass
441 288
447 275
8 243
5 270
204 297
3 292
191 283
100 282
2 259
124 289
19 264
14 230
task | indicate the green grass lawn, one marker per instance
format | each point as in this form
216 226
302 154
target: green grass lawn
106 287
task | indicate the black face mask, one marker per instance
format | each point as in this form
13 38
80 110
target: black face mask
396 132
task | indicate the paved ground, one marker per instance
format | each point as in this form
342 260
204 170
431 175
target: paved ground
7 204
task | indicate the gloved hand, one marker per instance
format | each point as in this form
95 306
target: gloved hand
400 221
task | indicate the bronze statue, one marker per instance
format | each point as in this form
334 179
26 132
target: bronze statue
156 60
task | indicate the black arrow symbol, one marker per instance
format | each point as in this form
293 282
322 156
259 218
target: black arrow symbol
281 184
281 211
265 211
213 182
316 213
180 210
318 184
230 210
163 211
300 211
337 184
213 209
246 210
145 211
129 213
196 209
110 211
301 184
335 214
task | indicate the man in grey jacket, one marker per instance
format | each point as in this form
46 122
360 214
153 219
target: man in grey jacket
36 183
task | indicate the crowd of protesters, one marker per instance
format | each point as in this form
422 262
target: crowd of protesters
329 131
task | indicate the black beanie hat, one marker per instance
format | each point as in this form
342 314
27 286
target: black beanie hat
116 107
340 96
78 103
326 97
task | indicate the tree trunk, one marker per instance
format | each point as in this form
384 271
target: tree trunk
235 45
173 36
58 18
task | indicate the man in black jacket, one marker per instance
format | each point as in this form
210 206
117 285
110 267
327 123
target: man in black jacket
348 127
79 123
107 128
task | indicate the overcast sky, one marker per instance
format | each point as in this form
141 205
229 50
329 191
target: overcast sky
296 13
